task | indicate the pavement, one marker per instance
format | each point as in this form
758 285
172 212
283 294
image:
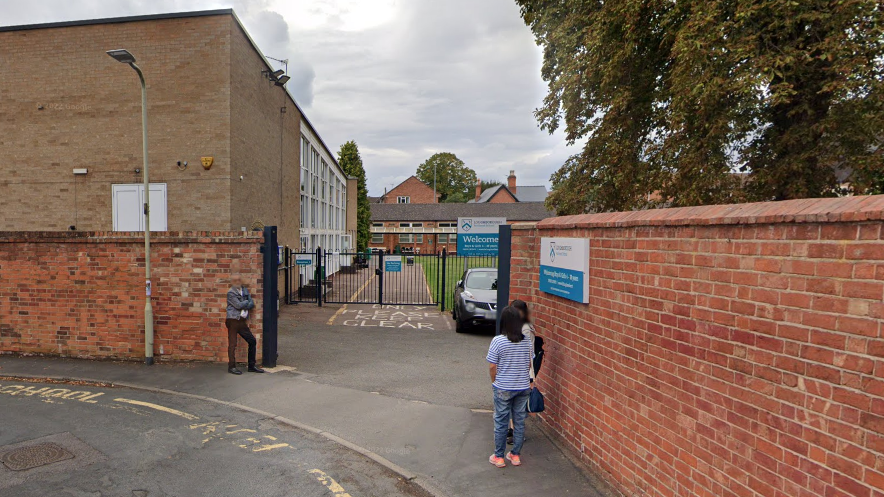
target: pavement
414 399
128 442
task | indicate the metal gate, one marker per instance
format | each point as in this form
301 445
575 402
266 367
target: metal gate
375 277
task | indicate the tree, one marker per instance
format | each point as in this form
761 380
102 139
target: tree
351 162
674 97
490 183
453 178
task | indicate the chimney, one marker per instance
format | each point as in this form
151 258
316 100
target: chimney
511 182
478 189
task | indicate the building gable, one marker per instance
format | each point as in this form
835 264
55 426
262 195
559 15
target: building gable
410 191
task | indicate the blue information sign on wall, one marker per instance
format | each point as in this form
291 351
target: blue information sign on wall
564 268
393 264
478 235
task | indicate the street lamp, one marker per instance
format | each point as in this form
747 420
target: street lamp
123 55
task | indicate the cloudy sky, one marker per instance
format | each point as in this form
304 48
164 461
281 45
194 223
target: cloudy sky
403 78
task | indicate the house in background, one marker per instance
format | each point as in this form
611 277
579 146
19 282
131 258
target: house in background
509 193
410 191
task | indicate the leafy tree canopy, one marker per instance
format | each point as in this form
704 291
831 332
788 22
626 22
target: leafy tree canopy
489 183
673 98
351 162
453 178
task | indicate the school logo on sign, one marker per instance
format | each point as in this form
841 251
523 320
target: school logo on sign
564 270
478 235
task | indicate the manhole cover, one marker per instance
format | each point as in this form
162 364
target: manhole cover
34 456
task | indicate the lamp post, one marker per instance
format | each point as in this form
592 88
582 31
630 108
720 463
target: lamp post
123 55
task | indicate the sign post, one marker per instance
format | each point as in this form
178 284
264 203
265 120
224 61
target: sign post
478 235
564 268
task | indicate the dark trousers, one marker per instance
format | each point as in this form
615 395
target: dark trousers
239 327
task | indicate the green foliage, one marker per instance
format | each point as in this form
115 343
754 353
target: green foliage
351 163
489 183
672 98
454 179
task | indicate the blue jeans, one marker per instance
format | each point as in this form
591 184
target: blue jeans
506 403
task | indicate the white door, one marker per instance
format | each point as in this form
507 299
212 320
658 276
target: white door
157 207
128 207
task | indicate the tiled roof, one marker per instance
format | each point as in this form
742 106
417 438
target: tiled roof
531 193
519 211
523 194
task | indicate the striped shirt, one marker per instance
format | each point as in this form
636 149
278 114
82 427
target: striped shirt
513 361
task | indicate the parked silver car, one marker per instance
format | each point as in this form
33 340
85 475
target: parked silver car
475 299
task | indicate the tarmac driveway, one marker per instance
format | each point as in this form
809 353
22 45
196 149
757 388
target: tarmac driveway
409 352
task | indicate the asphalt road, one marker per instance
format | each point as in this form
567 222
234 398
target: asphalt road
408 352
123 442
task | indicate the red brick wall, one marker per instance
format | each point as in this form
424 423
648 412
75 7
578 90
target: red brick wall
502 197
419 192
726 351
79 294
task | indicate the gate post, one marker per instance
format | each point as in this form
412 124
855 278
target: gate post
441 282
317 279
380 273
270 304
504 253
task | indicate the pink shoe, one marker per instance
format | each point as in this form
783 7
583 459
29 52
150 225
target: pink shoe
516 460
497 461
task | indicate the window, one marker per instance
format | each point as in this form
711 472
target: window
403 200
411 225
447 225
377 238
303 209
411 238
305 163
447 237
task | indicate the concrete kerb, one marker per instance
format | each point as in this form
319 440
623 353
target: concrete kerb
418 480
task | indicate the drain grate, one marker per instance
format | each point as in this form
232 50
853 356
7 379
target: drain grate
34 456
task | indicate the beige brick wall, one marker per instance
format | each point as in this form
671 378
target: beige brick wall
91 118
265 146
206 97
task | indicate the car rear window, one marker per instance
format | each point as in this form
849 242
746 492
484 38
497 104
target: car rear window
482 280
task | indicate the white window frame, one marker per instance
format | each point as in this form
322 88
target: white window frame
403 199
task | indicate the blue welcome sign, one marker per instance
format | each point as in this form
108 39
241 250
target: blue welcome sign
564 268
478 235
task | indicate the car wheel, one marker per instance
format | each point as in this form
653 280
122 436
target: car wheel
459 326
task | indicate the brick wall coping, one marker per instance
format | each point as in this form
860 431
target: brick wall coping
129 237
816 210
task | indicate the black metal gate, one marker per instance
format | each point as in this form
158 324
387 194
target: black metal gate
375 277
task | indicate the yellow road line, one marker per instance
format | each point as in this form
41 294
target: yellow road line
269 447
330 483
331 320
158 408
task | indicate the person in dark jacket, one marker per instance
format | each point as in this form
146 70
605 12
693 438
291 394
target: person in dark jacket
239 303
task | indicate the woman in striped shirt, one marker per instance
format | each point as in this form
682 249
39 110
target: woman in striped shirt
509 359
